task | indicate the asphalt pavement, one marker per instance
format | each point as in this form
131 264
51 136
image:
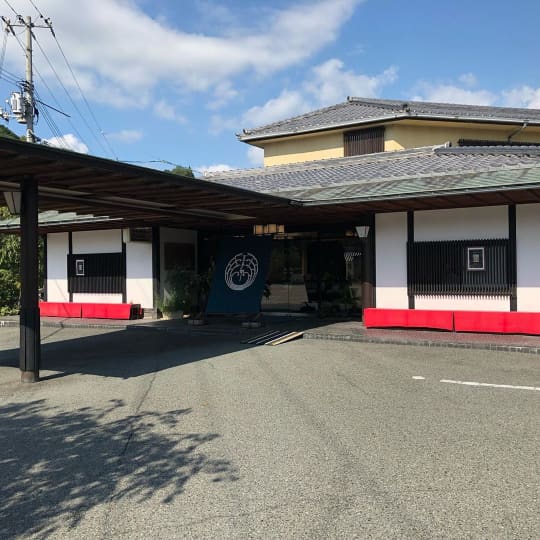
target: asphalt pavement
147 434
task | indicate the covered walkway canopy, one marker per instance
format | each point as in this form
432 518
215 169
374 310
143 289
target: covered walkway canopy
72 182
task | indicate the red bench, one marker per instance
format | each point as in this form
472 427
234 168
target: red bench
90 310
60 309
408 318
500 322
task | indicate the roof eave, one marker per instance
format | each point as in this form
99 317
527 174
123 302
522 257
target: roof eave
385 119
420 195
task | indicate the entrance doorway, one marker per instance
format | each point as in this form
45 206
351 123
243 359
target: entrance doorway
312 272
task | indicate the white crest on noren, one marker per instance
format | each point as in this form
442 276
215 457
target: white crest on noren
241 271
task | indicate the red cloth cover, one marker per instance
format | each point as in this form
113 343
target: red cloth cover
106 311
60 309
501 322
408 318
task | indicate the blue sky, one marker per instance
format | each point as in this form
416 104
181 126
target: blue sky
175 80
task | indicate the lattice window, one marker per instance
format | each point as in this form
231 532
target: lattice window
481 267
364 141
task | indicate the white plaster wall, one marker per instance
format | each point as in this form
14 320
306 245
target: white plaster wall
97 298
461 224
463 303
57 284
139 285
528 257
391 260
106 241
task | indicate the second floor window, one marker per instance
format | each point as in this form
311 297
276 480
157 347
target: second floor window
364 141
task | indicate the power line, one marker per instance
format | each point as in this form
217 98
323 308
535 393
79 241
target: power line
36 8
69 96
48 119
49 24
82 95
50 122
11 7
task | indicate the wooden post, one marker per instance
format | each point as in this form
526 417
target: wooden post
368 266
30 343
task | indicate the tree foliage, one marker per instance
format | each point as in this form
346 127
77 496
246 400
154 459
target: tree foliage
182 171
10 275
10 256
6 132
10 281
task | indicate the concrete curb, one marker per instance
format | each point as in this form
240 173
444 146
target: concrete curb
308 334
423 343
62 324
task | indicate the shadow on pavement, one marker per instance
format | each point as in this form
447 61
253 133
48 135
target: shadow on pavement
55 465
126 353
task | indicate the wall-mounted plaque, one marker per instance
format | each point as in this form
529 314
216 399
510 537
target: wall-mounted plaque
476 258
79 267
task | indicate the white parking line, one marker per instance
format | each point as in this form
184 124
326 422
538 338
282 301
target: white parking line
490 385
419 378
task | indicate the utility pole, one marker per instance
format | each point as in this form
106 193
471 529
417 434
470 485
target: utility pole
29 90
22 103
23 110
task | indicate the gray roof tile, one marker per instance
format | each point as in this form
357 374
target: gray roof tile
357 111
389 174
52 217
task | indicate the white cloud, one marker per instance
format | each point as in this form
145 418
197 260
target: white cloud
331 83
165 110
525 96
328 83
126 135
450 93
468 79
223 94
69 142
219 167
124 68
288 103
255 156
219 123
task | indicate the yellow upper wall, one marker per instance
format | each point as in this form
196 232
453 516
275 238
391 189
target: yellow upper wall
400 135
308 148
415 133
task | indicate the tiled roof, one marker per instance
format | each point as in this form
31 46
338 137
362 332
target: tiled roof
358 111
52 217
392 174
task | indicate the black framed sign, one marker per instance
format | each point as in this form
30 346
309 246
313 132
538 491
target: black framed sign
79 267
476 258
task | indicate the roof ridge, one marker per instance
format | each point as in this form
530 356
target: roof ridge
499 150
390 102
382 103
357 111
307 114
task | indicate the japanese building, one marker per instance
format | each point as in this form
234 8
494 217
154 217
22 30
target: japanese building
369 203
